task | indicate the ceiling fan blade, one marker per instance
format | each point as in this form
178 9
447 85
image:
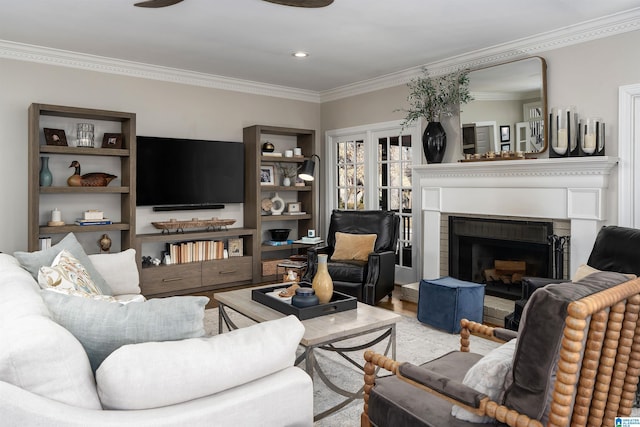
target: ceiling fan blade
157 3
302 3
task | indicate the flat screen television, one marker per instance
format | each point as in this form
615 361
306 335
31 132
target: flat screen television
175 173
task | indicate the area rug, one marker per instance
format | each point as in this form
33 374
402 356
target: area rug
416 343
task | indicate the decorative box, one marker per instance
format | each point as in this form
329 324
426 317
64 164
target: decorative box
93 214
270 267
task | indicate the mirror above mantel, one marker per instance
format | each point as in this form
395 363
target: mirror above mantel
509 110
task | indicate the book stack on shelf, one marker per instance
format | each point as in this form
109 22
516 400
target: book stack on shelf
203 250
93 217
45 243
278 242
103 221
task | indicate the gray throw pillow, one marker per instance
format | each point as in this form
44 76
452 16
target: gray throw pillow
32 261
102 327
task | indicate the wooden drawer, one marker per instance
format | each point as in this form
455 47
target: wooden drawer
170 278
222 271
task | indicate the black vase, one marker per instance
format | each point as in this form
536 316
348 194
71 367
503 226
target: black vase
434 142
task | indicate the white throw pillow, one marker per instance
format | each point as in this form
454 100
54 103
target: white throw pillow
487 376
42 357
156 374
68 274
119 270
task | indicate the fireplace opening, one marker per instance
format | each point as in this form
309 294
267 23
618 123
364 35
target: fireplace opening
498 253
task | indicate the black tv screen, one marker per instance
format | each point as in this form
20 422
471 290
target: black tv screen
188 173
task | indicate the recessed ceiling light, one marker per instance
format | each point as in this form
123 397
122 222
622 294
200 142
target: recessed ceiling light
300 54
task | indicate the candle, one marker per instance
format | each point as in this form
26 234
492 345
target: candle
589 145
56 216
561 146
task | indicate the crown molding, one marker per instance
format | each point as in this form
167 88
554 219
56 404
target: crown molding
526 47
522 48
31 53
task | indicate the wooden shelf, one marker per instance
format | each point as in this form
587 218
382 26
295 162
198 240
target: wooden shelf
84 151
69 228
198 276
274 159
269 248
284 188
73 190
269 218
193 235
283 139
58 115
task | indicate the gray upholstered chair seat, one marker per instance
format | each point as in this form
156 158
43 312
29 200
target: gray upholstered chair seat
393 402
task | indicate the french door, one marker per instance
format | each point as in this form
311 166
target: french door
369 167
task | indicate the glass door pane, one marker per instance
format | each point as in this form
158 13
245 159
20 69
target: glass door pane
350 174
394 188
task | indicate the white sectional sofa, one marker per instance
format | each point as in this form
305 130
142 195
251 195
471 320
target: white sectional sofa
245 377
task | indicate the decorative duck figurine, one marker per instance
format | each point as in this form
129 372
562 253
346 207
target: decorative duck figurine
93 179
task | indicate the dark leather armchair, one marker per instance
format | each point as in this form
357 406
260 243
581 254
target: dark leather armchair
615 249
370 280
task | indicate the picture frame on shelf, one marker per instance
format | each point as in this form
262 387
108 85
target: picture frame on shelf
505 146
267 175
505 133
235 247
112 140
294 207
55 137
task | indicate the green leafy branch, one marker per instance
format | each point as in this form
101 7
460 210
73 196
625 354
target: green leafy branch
434 97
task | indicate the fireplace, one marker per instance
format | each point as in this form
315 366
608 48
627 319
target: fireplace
574 190
498 252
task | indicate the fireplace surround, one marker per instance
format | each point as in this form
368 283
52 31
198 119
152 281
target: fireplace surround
572 189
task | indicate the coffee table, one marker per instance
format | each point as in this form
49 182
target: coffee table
321 333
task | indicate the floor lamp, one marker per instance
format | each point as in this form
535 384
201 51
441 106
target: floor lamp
305 173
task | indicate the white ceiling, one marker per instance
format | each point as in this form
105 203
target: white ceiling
349 41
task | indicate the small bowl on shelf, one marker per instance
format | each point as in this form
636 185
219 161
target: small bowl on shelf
279 234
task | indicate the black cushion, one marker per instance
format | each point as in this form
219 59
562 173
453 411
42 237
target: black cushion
616 249
382 223
341 271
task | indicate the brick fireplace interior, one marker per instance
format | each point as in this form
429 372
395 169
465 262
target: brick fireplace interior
499 252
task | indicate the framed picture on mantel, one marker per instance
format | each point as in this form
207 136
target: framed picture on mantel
505 133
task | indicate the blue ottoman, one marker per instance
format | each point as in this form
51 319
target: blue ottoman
443 302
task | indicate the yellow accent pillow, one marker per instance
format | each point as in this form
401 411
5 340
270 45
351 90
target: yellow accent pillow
350 247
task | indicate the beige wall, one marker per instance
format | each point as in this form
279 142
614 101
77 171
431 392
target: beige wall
586 75
162 109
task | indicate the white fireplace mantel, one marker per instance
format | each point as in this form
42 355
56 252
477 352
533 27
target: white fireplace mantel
571 188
